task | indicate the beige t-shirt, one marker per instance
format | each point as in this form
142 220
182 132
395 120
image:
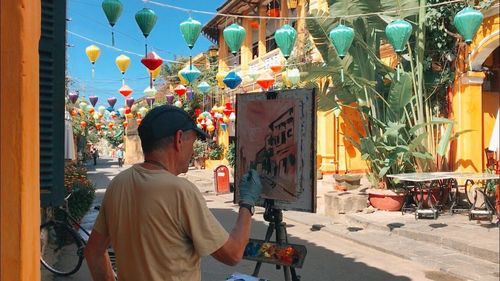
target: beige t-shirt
159 226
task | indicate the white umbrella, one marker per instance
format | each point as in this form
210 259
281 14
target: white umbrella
494 144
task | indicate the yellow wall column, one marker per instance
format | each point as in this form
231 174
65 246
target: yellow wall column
301 28
246 48
19 128
223 52
262 31
467 110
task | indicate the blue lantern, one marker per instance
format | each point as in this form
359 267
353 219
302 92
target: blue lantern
190 73
203 87
232 80
467 22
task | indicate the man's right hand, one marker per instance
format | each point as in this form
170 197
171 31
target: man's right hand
250 187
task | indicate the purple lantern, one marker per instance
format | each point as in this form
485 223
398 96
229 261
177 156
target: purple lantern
112 101
93 100
170 99
150 100
73 97
130 102
190 94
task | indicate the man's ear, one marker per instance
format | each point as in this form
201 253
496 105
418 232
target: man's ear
178 139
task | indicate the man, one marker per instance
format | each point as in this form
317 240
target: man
158 223
119 154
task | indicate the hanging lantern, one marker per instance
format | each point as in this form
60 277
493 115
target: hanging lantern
74 112
232 117
223 126
143 111
93 100
285 39
98 126
342 37
152 61
253 74
180 90
121 111
125 124
155 72
265 81
82 105
73 97
398 32
146 20
169 98
220 78
190 73
293 76
122 62
178 104
203 87
112 102
130 101
138 120
182 80
190 30
110 125
150 101
150 91
197 112
273 9
83 124
101 109
129 115
93 52
232 80
467 22
112 9
276 68
254 24
234 36
292 4
210 128
125 91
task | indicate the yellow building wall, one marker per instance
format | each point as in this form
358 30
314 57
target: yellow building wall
19 123
471 108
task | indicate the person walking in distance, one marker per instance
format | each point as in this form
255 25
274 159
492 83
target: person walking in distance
159 223
119 154
95 154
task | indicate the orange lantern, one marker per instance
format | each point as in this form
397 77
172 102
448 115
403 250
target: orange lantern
276 68
98 126
83 124
110 125
125 91
125 124
273 9
74 112
139 120
254 24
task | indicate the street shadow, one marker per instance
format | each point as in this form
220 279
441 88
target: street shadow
320 262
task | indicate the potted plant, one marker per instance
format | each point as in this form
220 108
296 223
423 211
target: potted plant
200 153
215 151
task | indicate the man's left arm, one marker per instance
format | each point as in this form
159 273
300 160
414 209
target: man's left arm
96 253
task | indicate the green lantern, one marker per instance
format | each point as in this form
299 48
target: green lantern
398 32
190 30
285 39
234 36
342 37
467 22
146 19
112 9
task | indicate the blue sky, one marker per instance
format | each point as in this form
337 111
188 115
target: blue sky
88 20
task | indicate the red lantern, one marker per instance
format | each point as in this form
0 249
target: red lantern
110 125
139 120
254 24
180 90
128 110
276 68
125 90
197 112
125 124
98 126
273 9
152 61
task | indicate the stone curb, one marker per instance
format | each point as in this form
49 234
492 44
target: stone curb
447 242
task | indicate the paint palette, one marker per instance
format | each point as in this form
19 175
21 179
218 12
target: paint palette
269 252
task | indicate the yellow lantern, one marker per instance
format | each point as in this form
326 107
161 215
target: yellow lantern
93 53
182 79
122 61
129 115
210 128
155 72
220 77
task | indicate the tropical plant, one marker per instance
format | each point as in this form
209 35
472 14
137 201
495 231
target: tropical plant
400 132
215 151
231 154
200 149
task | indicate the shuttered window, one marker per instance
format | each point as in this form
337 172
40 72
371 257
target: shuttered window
52 50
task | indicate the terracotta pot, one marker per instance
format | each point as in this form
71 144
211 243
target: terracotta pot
435 196
386 200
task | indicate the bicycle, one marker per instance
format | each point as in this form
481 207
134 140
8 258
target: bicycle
62 245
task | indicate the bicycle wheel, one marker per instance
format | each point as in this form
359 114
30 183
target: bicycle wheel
61 250
469 191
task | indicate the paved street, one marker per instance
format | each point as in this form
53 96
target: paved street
354 248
